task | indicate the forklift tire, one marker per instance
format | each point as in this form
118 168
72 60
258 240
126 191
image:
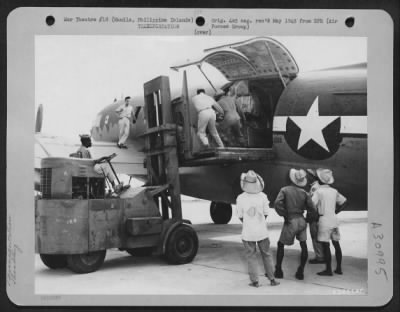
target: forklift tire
86 263
140 252
182 245
221 213
54 261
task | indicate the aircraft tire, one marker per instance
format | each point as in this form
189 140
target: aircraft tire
221 213
140 252
54 261
86 263
182 245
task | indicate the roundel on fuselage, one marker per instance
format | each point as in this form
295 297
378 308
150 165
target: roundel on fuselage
318 109
319 146
311 134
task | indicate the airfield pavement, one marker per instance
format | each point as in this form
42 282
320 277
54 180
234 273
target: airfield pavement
219 267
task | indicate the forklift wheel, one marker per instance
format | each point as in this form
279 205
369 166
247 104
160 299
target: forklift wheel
221 213
86 263
182 245
54 261
140 252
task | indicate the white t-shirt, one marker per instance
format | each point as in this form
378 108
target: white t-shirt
124 111
325 199
252 208
202 101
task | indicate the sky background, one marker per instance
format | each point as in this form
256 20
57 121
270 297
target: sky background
77 76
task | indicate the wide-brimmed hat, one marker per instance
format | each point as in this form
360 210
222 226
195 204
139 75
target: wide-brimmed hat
325 176
298 177
251 182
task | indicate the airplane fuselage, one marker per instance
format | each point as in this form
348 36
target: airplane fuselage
319 120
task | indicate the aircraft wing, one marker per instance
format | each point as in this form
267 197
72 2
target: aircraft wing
128 161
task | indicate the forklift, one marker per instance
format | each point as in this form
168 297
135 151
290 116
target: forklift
76 220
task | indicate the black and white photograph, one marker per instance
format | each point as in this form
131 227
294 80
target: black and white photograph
152 118
235 167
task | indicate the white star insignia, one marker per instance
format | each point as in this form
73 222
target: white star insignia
312 125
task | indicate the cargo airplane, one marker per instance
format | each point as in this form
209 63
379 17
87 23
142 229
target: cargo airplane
306 120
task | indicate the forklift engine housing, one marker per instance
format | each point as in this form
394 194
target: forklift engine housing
75 216
70 178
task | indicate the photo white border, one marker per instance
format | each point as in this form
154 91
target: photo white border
22 26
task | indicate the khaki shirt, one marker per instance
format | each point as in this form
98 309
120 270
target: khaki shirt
325 199
231 115
292 201
124 111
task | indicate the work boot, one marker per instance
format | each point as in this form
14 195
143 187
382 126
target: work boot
338 271
255 284
278 272
325 273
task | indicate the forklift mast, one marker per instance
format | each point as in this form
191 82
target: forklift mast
161 145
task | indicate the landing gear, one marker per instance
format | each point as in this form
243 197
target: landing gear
54 261
221 213
86 263
182 245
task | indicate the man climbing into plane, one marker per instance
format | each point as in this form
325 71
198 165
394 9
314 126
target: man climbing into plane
100 168
291 202
205 105
125 115
328 202
231 132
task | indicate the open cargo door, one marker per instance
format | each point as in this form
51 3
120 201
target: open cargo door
266 67
251 59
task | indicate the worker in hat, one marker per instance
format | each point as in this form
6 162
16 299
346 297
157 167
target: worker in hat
328 202
124 112
312 219
291 202
100 168
252 209
205 106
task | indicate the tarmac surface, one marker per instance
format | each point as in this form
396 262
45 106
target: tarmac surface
219 267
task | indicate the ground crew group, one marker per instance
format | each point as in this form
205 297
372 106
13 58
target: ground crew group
322 202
